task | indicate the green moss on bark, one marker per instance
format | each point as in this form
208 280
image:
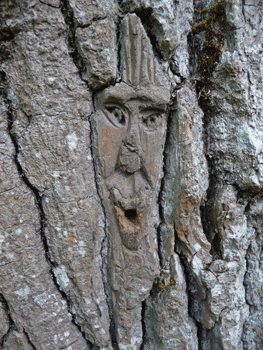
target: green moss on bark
214 39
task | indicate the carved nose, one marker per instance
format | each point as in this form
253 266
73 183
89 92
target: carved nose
132 139
129 160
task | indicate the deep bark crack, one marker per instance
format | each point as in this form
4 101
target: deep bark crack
148 22
143 325
118 39
11 321
246 284
196 52
213 181
160 201
243 9
202 333
29 340
68 13
55 7
5 337
168 137
112 328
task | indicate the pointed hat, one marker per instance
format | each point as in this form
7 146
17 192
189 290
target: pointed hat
139 67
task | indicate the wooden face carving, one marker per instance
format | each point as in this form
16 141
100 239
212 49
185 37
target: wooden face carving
130 133
128 129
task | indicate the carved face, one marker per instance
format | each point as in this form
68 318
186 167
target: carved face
130 128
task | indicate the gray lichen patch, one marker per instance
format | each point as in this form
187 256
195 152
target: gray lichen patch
60 273
97 46
87 12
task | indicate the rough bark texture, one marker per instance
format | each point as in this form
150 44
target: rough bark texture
131 175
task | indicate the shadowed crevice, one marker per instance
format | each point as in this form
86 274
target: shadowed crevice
169 136
203 336
145 15
205 49
143 325
118 39
105 241
154 293
245 285
194 303
68 14
29 340
206 207
11 321
5 337
149 23
195 50
44 3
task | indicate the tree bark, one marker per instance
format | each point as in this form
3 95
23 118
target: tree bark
131 175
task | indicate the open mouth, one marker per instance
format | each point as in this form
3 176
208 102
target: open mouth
131 215
129 220
132 207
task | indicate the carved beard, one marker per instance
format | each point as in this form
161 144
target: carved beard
130 202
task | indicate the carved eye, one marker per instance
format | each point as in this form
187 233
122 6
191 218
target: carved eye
152 120
116 115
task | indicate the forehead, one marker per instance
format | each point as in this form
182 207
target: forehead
123 93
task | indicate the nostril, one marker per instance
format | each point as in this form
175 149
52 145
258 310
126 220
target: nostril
131 214
131 147
132 138
130 143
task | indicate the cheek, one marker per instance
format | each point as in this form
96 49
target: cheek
152 145
108 142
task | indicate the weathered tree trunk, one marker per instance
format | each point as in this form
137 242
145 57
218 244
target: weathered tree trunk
131 175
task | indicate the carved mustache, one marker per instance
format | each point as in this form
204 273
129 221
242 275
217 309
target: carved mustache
128 189
130 160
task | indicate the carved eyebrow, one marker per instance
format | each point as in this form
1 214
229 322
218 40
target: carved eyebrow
159 109
114 103
149 103
113 99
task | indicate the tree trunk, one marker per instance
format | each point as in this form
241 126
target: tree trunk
132 171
